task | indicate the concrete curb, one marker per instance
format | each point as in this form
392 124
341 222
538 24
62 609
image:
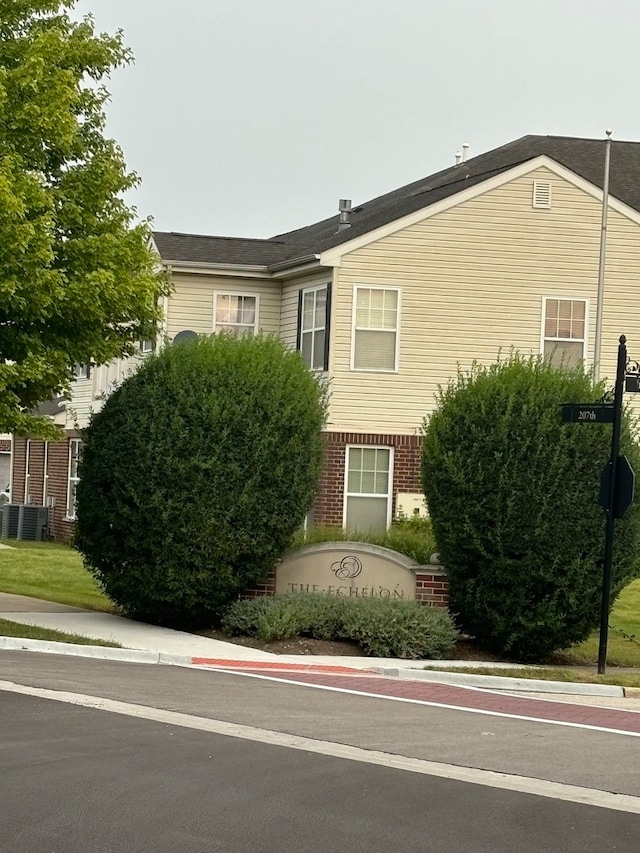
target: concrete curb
488 682
519 685
78 650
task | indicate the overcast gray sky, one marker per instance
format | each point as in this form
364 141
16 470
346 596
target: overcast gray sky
253 117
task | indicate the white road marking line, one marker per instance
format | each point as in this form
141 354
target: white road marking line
471 775
434 704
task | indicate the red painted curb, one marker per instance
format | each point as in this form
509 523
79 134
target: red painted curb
279 666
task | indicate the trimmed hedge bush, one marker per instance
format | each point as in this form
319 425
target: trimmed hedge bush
196 473
382 628
513 498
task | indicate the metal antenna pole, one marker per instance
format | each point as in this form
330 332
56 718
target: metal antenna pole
597 349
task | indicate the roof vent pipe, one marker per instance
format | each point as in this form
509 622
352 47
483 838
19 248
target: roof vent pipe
344 206
465 151
458 158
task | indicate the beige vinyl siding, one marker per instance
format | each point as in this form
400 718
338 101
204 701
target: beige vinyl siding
472 281
191 304
289 306
79 408
88 395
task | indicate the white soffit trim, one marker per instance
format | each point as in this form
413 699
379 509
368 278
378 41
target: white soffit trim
332 257
227 270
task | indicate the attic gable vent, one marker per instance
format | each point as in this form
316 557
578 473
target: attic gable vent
541 194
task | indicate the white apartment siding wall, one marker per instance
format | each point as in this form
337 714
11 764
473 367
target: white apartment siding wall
88 395
191 304
190 307
472 281
289 305
78 409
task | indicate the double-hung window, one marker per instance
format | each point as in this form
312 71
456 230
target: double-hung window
235 313
313 326
564 331
73 478
376 313
369 476
82 371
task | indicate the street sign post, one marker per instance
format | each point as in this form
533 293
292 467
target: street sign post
617 480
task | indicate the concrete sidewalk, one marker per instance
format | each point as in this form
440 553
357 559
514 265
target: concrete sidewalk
146 643
142 636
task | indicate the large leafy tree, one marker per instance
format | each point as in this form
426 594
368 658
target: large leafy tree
77 279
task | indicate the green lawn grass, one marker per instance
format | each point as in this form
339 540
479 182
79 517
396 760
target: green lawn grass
51 571
578 674
624 619
31 632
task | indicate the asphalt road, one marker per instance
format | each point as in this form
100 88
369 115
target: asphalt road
80 779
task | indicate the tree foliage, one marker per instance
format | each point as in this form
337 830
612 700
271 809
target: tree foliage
196 473
513 496
77 279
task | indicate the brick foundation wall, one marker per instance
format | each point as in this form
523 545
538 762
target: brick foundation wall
57 469
329 504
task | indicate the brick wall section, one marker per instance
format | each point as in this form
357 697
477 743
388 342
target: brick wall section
267 586
329 504
17 474
57 466
432 588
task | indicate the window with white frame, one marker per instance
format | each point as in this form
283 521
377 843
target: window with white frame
82 371
146 346
235 313
564 332
375 328
368 482
73 479
313 327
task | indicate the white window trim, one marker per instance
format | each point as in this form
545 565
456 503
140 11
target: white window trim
146 346
354 302
347 494
315 288
256 296
45 475
82 370
71 516
27 472
585 340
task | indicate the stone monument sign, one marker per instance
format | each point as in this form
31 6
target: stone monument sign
347 570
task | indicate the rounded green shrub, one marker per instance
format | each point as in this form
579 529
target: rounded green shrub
196 473
513 498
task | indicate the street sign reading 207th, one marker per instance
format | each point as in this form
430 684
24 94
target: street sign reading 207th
588 413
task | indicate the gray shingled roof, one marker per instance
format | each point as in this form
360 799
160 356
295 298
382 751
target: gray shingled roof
196 248
584 157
